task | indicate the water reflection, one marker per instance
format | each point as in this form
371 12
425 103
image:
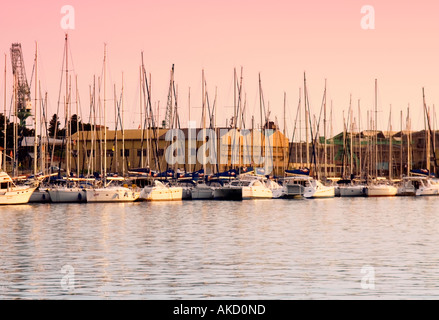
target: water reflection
271 249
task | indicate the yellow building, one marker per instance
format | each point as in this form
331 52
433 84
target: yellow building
163 148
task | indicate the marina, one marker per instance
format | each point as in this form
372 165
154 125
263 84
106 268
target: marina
219 150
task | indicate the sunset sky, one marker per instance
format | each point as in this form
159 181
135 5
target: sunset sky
280 39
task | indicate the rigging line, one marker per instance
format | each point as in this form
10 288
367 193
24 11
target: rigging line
57 108
294 132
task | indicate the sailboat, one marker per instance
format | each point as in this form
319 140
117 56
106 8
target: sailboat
316 189
68 189
161 192
380 187
11 193
112 193
108 192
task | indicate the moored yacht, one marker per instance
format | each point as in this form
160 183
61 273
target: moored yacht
316 189
113 193
160 192
381 190
11 193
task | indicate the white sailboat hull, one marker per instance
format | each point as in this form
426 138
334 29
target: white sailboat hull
112 195
427 191
294 191
381 191
202 193
61 195
352 191
161 194
324 192
257 192
17 195
40 196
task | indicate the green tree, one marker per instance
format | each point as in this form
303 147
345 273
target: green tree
54 125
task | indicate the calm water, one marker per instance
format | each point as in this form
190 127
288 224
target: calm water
268 249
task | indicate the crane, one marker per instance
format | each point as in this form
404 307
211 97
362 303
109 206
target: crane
23 98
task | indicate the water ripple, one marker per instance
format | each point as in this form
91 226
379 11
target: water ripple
274 249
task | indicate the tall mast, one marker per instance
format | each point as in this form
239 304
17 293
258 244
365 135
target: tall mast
390 145
359 139
203 101
332 145
401 154
428 141
116 113
4 122
15 126
351 124
77 126
306 122
234 99
324 136
376 131
105 118
300 127
285 164
123 131
141 116
66 106
408 141
35 111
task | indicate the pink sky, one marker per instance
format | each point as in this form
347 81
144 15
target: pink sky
279 39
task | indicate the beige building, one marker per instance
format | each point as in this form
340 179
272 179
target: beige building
159 149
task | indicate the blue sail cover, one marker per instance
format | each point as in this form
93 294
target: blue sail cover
300 172
166 174
227 174
192 175
421 172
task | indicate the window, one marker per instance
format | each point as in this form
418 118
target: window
139 152
127 152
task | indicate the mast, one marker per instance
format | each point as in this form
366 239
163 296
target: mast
66 103
390 145
285 165
116 113
359 139
123 132
77 127
4 122
428 141
15 126
300 128
141 117
400 155
408 141
234 99
105 117
306 122
376 132
35 110
351 143
325 155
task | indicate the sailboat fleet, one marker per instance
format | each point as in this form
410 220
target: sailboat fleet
236 183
